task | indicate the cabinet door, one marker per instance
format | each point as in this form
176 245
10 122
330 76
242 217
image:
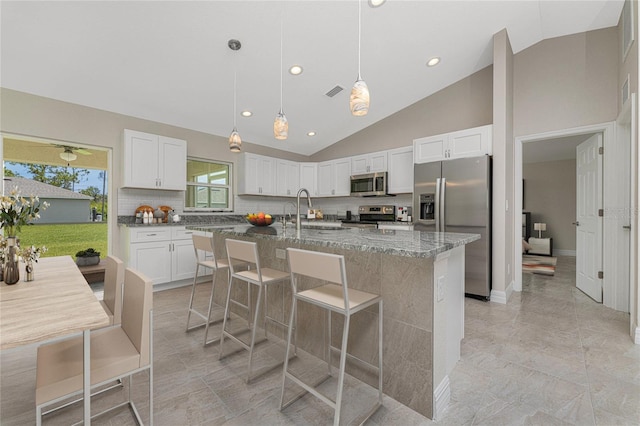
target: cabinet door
470 142
378 162
183 260
309 178
173 164
326 179
360 164
287 178
400 178
431 148
257 175
152 259
140 160
342 177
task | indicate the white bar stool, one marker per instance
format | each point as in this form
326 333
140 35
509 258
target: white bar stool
334 297
247 252
203 247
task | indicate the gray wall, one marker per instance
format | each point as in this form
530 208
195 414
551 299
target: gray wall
65 211
550 196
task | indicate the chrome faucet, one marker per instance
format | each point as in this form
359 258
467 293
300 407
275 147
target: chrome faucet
284 210
298 210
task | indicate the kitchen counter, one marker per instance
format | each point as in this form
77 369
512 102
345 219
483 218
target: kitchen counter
420 276
387 241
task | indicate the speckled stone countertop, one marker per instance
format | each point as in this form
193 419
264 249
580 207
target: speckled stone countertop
394 242
186 220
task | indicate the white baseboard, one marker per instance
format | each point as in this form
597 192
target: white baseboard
441 398
558 252
498 297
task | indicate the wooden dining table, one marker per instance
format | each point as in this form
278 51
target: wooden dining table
56 304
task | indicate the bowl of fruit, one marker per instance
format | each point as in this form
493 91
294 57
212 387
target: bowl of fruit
259 219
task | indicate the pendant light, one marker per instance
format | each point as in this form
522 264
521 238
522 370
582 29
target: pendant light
280 124
235 143
359 99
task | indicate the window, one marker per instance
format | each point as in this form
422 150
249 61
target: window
208 186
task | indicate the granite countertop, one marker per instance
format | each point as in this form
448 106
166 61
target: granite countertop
394 242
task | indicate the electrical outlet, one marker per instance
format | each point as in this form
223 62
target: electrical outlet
281 254
441 283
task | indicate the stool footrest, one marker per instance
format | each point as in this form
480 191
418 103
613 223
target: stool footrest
355 358
306 388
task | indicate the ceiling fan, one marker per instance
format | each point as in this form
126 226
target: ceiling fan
68 153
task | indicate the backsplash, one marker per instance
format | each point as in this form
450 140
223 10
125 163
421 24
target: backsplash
130 199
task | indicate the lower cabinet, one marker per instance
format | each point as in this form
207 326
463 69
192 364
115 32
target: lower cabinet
164 254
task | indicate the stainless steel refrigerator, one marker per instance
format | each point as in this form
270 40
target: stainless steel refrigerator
455 196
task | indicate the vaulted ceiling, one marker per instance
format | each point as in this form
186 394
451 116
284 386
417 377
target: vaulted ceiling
169 61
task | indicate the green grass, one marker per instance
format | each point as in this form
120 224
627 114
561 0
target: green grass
66 239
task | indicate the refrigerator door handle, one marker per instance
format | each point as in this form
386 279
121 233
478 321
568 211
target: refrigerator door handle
436 208
441 200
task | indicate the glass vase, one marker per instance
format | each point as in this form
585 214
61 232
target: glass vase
11 266
28 275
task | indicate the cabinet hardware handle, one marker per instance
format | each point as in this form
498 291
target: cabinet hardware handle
189 233
626 226
151 235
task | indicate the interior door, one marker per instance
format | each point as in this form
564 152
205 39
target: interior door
588 221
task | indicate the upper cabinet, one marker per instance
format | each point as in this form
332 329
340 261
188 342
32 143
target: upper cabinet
464 143
400 177
257 174
287 178
309 178
154 162
369 163
334 178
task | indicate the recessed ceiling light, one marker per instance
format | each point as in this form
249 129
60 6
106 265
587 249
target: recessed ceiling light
433 61
311 133
246 113
295 70
376 3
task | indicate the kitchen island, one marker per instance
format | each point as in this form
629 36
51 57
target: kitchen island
420 276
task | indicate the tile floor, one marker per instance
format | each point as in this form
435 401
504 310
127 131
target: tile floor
551 356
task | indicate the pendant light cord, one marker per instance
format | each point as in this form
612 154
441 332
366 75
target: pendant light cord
235 78
359 34
281 61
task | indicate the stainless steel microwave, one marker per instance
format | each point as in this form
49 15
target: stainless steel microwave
369 185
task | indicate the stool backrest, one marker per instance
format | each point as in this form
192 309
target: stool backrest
244 251
113 281
322 266
136 304
204 245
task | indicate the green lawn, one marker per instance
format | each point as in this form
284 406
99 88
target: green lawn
66 239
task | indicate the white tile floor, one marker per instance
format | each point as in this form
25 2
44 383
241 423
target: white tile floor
551 356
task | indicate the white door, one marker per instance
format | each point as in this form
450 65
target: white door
173 163
183 260
588 221
152 259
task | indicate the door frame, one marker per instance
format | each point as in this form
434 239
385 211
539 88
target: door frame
608 131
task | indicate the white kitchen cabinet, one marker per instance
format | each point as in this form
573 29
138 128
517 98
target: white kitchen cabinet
461 144
154 162
369 163
287 178
309 178
400 176
164 254
257 175
334 178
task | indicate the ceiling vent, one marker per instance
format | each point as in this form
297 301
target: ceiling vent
331 93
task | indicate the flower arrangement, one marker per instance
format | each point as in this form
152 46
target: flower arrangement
17 211
32 253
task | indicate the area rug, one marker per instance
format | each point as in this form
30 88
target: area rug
543 265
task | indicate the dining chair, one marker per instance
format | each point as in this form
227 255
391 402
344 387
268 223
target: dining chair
116 352
335 296
247 252
112 297
206 258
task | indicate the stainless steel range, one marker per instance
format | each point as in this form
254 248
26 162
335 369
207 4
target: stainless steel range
371 215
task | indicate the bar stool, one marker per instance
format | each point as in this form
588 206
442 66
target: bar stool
203 247
247 252
334 297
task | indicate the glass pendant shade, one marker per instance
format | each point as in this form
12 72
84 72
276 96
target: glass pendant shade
281 126
235 143
359 99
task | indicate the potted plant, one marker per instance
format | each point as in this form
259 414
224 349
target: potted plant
87 257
